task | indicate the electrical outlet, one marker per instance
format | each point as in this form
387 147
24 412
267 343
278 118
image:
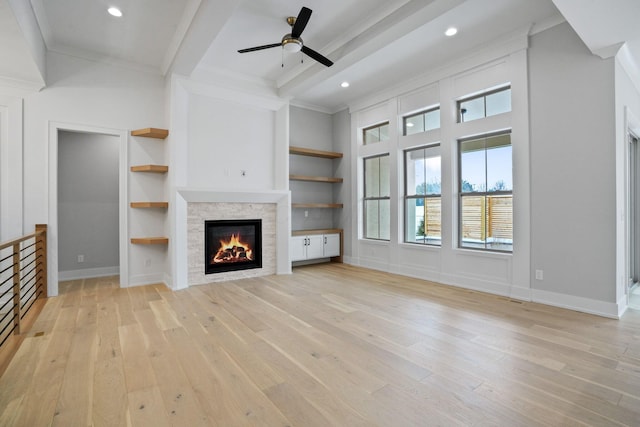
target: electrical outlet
80 258
539 275
306 214
147 262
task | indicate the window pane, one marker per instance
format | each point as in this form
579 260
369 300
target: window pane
499 168
472 109
500 222
413 124
385 219
415 172
372 219
385 177
486 221
432 170
372 177
472 166
423 221
371 135
384 132
473 230
375 134
423 174
499 102
432 120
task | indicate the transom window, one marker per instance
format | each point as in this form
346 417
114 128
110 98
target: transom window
423 217
375 133
486 193
377 200
422 121
484 105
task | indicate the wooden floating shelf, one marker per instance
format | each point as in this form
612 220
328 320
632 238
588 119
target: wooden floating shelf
150 240
150 168
151 133
317 205
163 205
314 153
314 178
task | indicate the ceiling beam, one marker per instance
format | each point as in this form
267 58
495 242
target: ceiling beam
206 22
365 40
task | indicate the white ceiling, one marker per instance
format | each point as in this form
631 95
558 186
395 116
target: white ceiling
375 44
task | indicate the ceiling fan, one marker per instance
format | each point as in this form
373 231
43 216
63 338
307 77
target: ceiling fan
292 42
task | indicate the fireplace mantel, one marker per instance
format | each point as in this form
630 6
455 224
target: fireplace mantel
186 196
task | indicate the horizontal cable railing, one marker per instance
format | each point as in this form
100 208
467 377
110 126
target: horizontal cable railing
23 281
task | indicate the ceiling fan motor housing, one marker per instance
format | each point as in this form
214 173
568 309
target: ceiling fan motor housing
291 44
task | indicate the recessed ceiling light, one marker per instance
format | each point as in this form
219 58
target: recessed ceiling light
114 11
451 31
344 84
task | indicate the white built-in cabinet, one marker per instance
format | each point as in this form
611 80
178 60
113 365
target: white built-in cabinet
314 246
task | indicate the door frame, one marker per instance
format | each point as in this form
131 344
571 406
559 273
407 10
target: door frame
52 229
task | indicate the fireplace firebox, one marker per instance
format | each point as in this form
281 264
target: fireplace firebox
232 245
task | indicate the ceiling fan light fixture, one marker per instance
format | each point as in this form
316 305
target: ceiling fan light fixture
291 45
114 11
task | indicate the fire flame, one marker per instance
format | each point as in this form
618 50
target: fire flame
233 250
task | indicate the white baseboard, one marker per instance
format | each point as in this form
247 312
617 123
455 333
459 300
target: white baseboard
147 279
623 304
585 305
519 293
571 302
88 273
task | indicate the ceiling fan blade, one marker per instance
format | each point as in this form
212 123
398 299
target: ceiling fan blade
253 49
301 22
315 55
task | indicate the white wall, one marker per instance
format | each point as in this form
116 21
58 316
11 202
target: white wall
573 172
88 204
227 138
11 209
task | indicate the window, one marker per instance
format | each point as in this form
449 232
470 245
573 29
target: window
485 187
375 133
377 202
484 105
422 121
422 196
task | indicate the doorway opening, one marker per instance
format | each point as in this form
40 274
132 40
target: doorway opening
87 204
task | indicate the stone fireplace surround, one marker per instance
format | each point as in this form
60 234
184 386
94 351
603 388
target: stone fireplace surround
195 206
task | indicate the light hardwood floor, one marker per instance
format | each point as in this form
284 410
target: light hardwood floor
329 345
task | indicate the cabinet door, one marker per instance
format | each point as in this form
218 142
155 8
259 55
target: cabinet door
315 247
331 245
298 248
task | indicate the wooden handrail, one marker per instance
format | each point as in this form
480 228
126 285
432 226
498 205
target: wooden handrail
27 290
23 238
